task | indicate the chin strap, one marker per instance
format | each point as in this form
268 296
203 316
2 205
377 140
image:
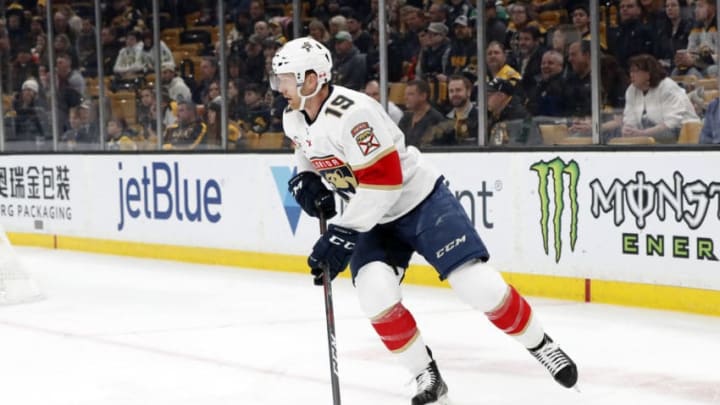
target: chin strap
303 99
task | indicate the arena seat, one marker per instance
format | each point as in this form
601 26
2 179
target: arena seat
690 132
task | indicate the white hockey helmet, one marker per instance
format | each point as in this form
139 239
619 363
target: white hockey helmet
299 56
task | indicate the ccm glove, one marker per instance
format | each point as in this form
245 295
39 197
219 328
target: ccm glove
333 250
312 195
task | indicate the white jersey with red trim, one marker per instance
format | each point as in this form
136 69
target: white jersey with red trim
357 148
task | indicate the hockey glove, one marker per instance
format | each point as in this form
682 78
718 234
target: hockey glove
333 250
312 195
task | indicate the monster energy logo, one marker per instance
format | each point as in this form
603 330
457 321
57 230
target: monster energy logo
557 170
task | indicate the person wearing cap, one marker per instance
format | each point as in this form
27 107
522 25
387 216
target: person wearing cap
463 48
188 132
176 87
508 120
456 8
30 121
435 56
350 66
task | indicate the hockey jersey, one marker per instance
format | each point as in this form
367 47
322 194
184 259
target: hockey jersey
357 148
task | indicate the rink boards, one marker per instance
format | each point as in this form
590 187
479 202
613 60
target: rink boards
634 228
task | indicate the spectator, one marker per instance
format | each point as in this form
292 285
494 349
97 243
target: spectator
631 37
255 60
563 36
31 115
702 42
547 98
394 54
438 12
261 30
349 68
414 20
148 53
463 49
277 32
361 38
188 132
256 115
236 103
174 84
521 16
435 57
577 87
318 31
81 135
655 105
129 60
23 68
508 121
580 13
464 114
497 66
456 8
372 89
63 45
528 57
213 139
495 28
120 137
420 117
710 133
673 34
210 73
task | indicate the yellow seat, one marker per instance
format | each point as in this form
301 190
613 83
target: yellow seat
710 95
396 93
124 105
271 140
575 140
690 132
708 84
552 134
632 140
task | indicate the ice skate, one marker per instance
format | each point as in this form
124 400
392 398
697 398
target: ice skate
431 389
557 362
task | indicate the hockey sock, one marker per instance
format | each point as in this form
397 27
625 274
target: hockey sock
396 327
512 315
398 331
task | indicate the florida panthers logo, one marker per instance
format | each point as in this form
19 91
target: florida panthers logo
338 174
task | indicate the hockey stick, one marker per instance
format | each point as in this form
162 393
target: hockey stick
330 320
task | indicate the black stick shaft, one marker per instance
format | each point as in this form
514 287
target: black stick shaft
330 320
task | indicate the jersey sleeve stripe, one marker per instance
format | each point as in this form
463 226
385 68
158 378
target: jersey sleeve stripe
383 171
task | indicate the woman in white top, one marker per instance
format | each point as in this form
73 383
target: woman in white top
654 104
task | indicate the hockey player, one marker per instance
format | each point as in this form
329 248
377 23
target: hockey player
396 205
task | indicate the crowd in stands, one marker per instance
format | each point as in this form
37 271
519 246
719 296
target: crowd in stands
658 68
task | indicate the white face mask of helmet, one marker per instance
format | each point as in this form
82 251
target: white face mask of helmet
299 56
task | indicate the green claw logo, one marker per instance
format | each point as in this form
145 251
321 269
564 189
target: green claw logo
557 170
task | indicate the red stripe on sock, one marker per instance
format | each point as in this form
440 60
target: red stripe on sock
396 327
513 315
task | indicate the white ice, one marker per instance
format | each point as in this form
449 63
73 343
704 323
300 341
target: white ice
117 330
